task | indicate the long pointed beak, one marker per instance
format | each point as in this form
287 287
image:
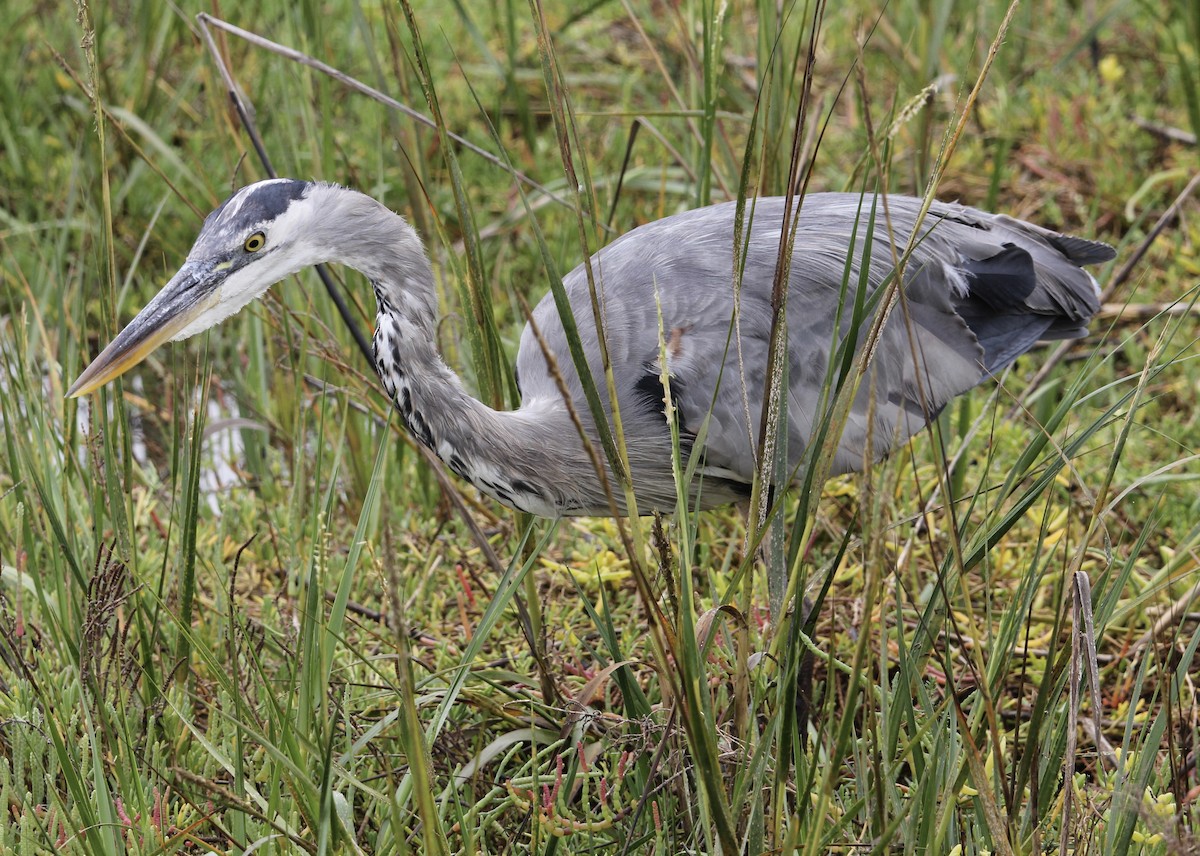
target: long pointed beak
189 293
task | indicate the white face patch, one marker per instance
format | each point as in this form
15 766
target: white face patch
285 252
229 298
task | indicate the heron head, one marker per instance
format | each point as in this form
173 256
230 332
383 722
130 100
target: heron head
246 245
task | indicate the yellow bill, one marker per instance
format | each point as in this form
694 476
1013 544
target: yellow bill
187 296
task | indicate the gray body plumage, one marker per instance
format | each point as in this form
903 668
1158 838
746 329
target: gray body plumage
978 291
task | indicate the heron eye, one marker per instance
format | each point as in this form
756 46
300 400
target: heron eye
255 242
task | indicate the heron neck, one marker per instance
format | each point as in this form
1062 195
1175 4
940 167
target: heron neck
516 457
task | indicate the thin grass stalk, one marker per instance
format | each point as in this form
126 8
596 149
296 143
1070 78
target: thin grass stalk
71 768
1094 523
746 728
257 380
637 705
237 824
1056 677
841 743
665 637
1182 33
269 807
923 639
34 473
88 43
313 668
771 462
190 524
815 466
712 24
326 818
415 740
335 623
993 817
667 78
408 137
486 349
892 293
533 627
611 434
118 497
979 546
503 593
696 702
1131 783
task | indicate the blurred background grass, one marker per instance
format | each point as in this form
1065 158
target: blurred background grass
240 612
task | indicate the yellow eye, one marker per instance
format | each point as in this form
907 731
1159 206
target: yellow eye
255 242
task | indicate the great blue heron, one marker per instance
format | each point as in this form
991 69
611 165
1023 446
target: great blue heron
980 290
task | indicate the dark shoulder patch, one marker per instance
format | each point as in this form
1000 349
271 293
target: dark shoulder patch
649 392
651 397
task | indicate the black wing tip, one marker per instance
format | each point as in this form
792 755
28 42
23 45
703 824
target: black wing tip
1004 280
1079 251
1083 251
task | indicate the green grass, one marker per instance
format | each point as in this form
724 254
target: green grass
240 612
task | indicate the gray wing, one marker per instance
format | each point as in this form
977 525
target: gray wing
980 290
